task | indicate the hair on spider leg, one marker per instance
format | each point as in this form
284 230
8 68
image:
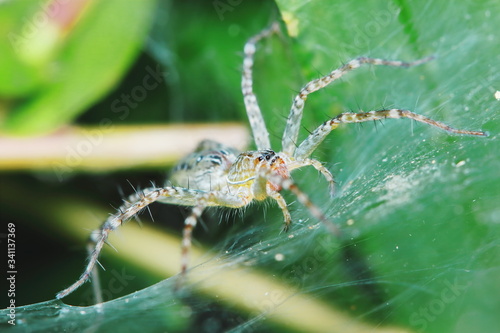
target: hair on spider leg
203 224
114 208
108 243
307 130
142 195
99 263
150 214
137 219
378 121
120 192
132 186
121 210
231 214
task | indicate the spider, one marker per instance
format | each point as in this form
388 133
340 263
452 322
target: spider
217 175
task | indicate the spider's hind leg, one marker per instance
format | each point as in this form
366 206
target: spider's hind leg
187 235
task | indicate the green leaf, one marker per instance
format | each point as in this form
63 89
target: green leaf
418 207
78 67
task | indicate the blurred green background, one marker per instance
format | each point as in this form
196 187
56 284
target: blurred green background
419 207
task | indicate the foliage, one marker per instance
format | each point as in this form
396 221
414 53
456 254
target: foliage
418 207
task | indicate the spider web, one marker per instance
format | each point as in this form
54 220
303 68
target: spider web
419 208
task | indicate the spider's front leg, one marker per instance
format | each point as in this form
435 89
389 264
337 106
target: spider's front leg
259 130
318 166
132 206
98 238
284 208
276 178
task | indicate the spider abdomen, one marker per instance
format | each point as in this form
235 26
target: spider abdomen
206 168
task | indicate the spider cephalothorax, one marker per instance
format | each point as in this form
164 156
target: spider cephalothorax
217 175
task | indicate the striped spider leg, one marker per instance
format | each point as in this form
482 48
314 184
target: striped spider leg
215 175
297 157
307 147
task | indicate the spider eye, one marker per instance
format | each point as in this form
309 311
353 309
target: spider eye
260 158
